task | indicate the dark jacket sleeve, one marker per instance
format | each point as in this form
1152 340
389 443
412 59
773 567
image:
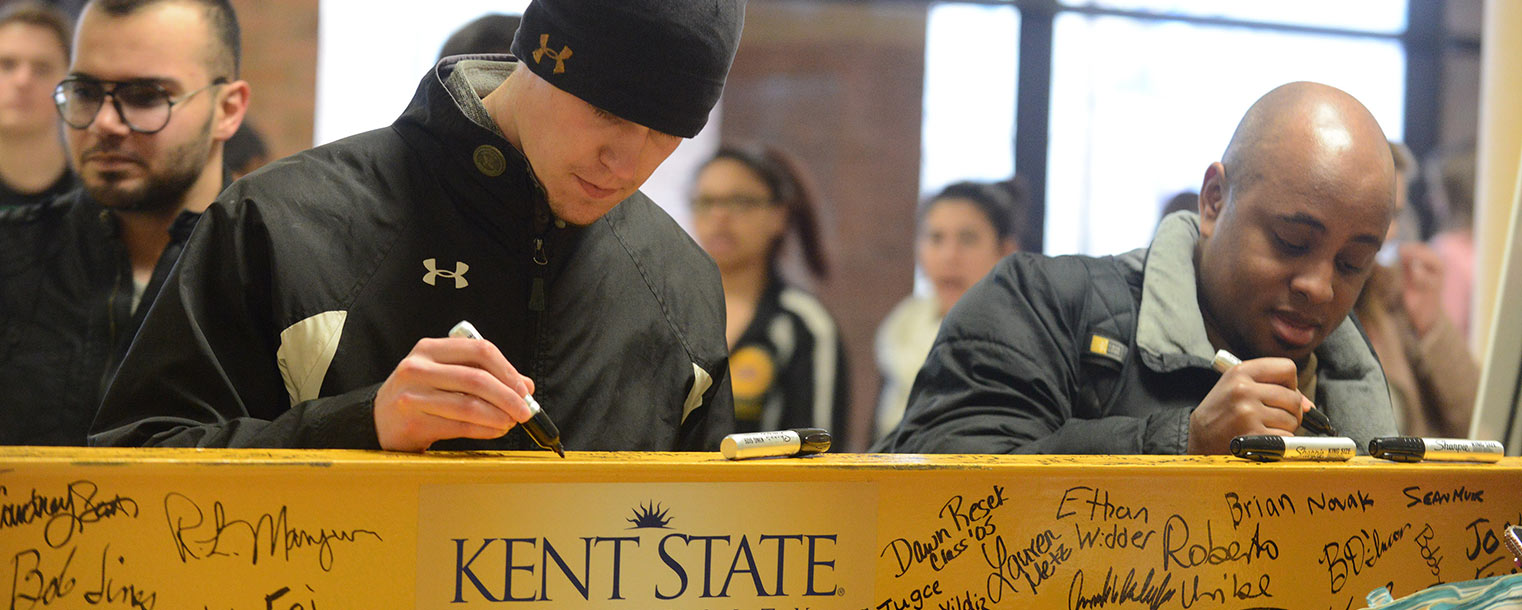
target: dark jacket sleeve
202 371
1004 374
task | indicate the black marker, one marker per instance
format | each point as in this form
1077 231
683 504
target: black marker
798 441
539 427
1313 420
1416 449
1272 448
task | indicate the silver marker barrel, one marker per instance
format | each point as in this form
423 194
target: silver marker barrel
798 441
1418 449
1273 448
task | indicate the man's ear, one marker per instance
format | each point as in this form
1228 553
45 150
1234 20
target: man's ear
232 104
1212 197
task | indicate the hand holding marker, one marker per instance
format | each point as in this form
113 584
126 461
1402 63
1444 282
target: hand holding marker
1313 419
539 427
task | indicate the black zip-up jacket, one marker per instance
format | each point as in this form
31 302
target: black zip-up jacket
309 280
1108 355
66 314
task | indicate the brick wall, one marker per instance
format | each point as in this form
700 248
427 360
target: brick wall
839 85
280 64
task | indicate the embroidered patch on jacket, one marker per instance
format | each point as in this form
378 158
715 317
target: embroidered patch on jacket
1106 347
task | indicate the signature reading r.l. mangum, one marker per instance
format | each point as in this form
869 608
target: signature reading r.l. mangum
270 534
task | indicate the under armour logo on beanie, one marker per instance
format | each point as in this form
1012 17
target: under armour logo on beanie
559 56
659 63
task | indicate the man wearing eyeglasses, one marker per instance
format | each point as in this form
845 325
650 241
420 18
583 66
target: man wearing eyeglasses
151 96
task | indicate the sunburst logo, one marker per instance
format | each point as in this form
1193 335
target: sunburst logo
650 516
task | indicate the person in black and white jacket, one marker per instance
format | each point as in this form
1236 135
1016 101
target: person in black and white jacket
787 360
305 310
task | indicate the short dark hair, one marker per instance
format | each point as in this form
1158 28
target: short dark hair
43 16
487 34
227 58
1002 202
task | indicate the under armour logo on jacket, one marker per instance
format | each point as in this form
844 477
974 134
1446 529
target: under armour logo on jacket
434 273
559 56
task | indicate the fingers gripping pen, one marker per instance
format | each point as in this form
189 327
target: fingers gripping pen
1314 420
539 426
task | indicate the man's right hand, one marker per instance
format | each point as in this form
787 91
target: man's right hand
450 388
1259 396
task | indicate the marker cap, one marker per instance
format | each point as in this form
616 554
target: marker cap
1398 448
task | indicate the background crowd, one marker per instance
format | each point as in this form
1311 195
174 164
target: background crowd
762 208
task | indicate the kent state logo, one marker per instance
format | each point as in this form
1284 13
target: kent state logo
646 565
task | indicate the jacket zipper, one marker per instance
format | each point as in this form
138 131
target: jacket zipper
541 265
537 298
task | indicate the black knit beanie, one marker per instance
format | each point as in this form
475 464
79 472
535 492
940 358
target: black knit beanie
659 63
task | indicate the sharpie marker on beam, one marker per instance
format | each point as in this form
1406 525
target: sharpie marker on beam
1417 449
798 441
1271 448
1313 420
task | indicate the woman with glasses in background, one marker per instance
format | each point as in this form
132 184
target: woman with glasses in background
964 230
787 362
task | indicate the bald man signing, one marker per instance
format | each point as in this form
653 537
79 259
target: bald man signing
1113 354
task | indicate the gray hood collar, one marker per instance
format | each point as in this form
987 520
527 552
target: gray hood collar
1170 330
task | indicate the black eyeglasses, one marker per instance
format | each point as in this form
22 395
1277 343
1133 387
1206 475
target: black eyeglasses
144 106
703 204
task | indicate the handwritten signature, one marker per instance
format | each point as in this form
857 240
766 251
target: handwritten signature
270 535
1034 564
64 515
34 582
1117 591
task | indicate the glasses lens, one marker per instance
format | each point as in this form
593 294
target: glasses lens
78 102
144 106
736 203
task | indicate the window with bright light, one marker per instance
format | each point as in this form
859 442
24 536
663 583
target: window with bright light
968 129
1140 108
1378 16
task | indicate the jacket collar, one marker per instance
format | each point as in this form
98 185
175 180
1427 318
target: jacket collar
1170 330
447 124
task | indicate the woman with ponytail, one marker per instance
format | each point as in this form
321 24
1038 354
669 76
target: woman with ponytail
787 362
